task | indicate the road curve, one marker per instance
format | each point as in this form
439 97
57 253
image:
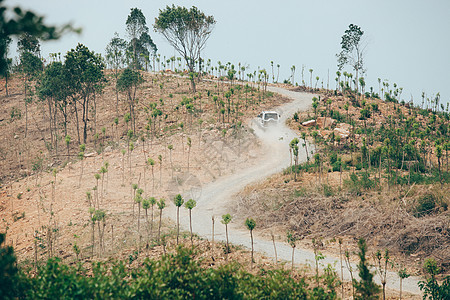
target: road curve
218 195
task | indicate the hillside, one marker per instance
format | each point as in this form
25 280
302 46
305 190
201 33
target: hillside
377 173
199 142
37 207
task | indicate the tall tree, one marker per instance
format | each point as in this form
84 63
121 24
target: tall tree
30 66
5 62
85 72
136 25
352 52
141 45
128 82
28 43
187 30
115 58
146 48
53 87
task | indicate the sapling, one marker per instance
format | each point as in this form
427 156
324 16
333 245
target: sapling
303 135
81 157
226 219
152 201
54 172
381 268
317 256
160 169
92 217
189 144
274 246
106 167
103 170
97 177
403 274
89 198
294 147
292 240
151 162
350 269
67 139
134 187
123 166
131 148
161 204
212 241
342 267
146 206
190 204
178 201
116 123
365 288
170 147
250 224
103 138
138 200
100 216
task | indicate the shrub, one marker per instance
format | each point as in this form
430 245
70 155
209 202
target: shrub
174 276
358 183
8 271
428 204
430 287
327 190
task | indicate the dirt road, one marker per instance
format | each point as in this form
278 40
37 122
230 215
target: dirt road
216 198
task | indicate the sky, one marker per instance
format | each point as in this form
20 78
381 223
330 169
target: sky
407 41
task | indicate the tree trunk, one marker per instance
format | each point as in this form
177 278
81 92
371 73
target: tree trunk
190 226
292 264
151 225
212 242
274 248
6 84
93 238
251 237
178 223
159 229
226 232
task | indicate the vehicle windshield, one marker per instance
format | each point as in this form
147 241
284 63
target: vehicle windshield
268 116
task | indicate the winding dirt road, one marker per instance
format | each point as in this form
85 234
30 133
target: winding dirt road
217 196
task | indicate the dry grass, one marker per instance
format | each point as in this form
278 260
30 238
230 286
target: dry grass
385 219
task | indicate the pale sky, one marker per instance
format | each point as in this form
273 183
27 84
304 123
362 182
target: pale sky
408 41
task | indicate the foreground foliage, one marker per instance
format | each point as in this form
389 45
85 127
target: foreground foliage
175 276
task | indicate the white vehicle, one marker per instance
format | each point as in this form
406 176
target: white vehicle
267 118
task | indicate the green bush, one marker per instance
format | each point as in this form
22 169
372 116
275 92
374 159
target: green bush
174 276
428 204
327 190
8 271
430 287
359 182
